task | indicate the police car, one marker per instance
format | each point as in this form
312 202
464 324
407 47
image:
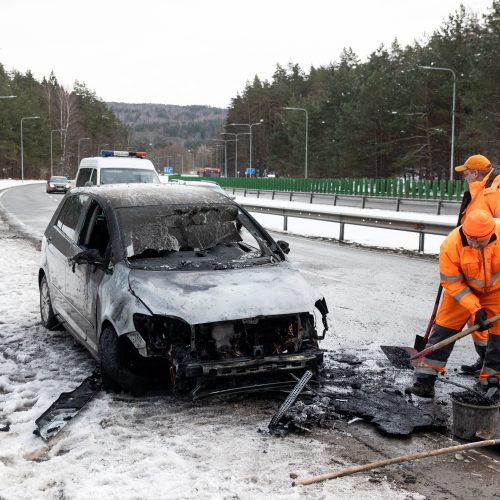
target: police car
116 167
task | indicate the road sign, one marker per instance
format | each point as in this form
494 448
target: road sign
250 171
168 170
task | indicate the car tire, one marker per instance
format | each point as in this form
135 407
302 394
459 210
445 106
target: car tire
48 318
116 371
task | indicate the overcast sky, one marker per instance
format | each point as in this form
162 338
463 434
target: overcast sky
200 51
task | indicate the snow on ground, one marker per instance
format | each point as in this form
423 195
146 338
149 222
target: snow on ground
120 447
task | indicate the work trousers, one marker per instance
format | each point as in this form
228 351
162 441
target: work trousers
450 319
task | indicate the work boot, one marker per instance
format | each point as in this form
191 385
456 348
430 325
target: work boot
473 369
422 387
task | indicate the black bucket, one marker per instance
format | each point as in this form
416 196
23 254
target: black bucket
470 419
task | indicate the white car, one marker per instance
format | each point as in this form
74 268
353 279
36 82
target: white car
116 167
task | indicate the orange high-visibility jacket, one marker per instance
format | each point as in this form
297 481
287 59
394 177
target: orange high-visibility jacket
467 272
486 198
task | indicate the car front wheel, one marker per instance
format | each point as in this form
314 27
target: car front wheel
49 319
117 368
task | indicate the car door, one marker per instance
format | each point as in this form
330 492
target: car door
60 238
83 280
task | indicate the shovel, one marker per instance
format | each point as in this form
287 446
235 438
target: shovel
408 357
420 342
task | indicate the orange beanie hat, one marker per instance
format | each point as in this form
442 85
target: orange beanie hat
479 224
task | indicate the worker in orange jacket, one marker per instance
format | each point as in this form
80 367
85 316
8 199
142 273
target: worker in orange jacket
484 192
469 265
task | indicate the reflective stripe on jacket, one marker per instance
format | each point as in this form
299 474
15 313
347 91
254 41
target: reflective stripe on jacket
466 272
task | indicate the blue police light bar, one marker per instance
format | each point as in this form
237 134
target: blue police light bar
124 154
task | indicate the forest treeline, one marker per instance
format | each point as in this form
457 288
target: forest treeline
75 121
384 117
166 124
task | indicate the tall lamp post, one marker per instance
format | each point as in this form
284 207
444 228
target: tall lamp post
236 151
452 158
79 142
249 125
22 148
307 125
194 161
51 136
182 163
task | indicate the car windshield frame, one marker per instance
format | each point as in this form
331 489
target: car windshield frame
129 173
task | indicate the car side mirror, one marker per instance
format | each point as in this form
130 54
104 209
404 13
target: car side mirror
90 256
284 245
89 184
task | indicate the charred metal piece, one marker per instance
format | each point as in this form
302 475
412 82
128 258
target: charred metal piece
66 407
290 399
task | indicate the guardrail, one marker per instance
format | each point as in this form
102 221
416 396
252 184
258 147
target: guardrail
438 207
381 221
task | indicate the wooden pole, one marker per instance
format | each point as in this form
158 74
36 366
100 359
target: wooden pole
396 460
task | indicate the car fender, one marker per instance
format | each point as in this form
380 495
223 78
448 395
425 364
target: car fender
116 303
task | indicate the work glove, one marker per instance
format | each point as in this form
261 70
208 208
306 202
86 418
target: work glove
479 319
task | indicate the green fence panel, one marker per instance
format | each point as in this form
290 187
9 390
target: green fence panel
393 187
459 190
450 190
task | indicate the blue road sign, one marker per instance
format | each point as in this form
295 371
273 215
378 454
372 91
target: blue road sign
250 171
168 170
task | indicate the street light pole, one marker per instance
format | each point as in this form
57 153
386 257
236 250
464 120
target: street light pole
249 125
307 125
8 96
51 136
182 163
79 141
452 155
22 149
236 151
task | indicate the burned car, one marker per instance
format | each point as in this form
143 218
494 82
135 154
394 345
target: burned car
159 276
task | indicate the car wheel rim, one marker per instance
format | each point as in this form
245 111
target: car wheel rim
44 301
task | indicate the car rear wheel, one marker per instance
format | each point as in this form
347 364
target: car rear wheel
49 319
117 369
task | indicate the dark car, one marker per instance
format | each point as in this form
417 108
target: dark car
156 279
58 184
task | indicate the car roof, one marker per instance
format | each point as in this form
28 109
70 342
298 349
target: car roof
143 195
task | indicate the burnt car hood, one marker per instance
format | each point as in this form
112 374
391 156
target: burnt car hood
225 295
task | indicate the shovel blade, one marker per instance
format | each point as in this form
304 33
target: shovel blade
420 343
400 356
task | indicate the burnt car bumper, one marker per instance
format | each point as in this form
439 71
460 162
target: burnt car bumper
252 366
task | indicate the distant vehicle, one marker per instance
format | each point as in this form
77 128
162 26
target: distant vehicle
209 172
58 184
116 167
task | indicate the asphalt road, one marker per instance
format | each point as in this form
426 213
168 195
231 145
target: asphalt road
31 206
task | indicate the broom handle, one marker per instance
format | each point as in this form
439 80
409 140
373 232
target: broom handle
453 338
397 460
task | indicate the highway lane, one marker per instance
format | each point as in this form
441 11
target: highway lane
31 207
